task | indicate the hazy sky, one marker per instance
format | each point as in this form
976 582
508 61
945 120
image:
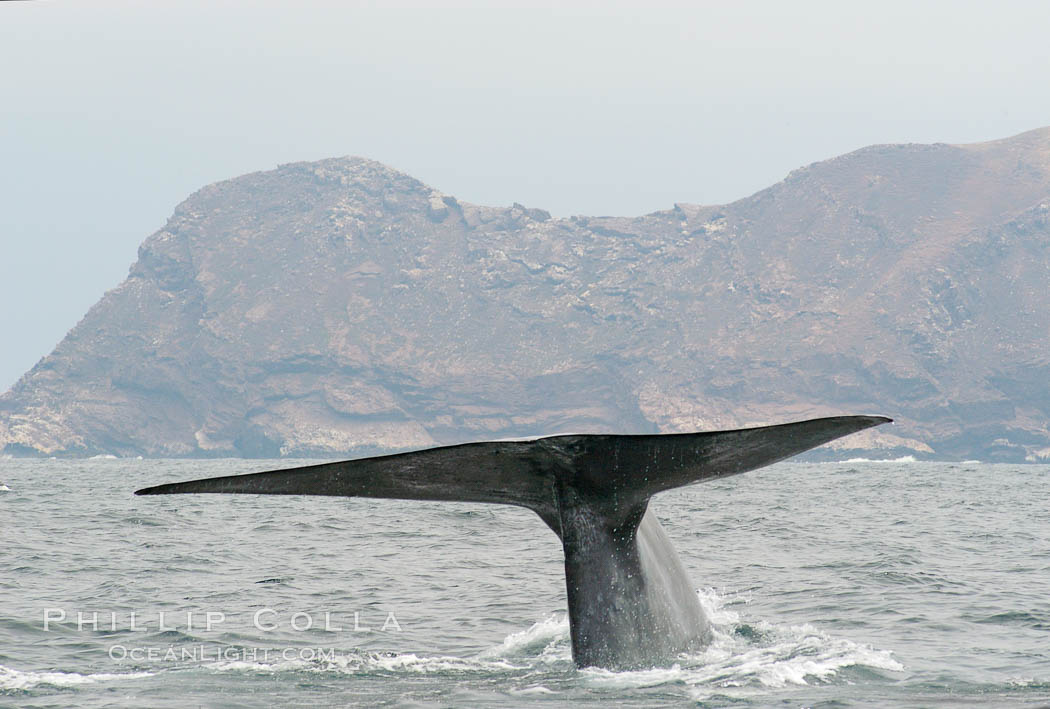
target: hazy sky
113 112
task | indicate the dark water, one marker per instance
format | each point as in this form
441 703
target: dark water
831 585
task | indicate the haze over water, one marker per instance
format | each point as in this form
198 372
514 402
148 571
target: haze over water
844 584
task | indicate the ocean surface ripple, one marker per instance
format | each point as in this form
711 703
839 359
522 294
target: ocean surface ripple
848 584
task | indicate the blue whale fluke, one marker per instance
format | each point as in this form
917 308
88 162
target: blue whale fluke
631 604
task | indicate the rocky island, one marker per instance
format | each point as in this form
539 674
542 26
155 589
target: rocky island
342 307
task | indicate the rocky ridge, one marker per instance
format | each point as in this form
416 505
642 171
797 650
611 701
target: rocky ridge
342 307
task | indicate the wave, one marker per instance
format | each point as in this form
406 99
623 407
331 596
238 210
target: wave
19 680
745 657
753 656
372 663
544 643
547 640
902 459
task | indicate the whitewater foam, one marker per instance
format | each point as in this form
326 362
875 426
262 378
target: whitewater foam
764 656
756 655
902 459
356 663
12 679
546 641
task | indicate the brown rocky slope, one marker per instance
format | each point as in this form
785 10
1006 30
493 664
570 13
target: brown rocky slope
343 307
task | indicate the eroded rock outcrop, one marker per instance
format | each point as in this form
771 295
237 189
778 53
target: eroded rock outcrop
341 306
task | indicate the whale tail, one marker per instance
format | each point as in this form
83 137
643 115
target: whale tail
624 470
630 601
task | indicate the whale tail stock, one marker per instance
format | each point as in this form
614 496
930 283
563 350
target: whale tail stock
619 473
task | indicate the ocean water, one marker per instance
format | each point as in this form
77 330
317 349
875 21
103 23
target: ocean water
830 585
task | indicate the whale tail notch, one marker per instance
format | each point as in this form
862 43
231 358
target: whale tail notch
534 473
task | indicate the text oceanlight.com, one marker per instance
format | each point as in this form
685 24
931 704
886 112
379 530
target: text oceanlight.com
211 653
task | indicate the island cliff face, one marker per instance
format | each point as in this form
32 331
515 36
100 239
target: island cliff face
342 307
